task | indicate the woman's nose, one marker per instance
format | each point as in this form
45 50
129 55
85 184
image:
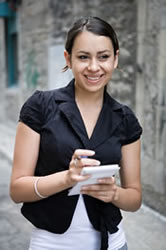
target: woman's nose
93 65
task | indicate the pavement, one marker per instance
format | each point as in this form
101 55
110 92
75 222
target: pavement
145 229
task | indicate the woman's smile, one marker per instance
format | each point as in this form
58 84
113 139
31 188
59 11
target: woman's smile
94 79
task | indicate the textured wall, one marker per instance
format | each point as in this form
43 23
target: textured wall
152 87
34 34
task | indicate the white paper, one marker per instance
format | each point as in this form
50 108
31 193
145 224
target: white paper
96 172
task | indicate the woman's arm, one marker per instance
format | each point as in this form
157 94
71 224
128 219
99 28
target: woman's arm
24 163
25 158
127 197
130 193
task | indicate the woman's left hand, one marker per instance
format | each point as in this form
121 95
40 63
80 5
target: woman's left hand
106 190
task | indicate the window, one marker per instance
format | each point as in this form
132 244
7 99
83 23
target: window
11 51
11 41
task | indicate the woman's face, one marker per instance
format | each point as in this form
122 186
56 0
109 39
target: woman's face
92 61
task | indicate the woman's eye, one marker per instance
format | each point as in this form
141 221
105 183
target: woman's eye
104 57
82 57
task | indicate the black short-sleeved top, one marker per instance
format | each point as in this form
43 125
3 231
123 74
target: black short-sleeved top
56 117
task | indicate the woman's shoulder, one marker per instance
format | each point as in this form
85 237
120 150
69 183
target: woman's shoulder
42 97
36 108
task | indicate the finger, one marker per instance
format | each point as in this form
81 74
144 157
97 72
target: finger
104 196
83 152
110 180
99 195
76 162
95 188
79 178
90 162
81 162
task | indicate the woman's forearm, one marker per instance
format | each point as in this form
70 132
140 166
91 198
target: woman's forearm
128 199
23 188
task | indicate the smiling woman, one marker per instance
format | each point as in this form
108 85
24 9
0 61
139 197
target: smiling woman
62 131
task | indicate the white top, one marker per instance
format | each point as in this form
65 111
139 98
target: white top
77 235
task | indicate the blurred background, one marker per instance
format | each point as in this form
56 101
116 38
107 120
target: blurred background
32 37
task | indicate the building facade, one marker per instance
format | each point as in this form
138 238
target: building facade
32 37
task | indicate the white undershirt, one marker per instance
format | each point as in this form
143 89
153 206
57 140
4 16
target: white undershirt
80 235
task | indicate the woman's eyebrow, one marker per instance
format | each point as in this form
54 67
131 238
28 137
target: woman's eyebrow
104 51
83 52
99 52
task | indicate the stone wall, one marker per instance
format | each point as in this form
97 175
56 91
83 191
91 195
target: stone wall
33 41
34 35
151 91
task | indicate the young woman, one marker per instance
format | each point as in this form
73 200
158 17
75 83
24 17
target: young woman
60 132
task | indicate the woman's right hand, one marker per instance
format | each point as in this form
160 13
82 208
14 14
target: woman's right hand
79 160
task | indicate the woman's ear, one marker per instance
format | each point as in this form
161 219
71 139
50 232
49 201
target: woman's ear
116 59
67 58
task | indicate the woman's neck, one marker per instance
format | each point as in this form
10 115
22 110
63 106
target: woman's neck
89 99
90 105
